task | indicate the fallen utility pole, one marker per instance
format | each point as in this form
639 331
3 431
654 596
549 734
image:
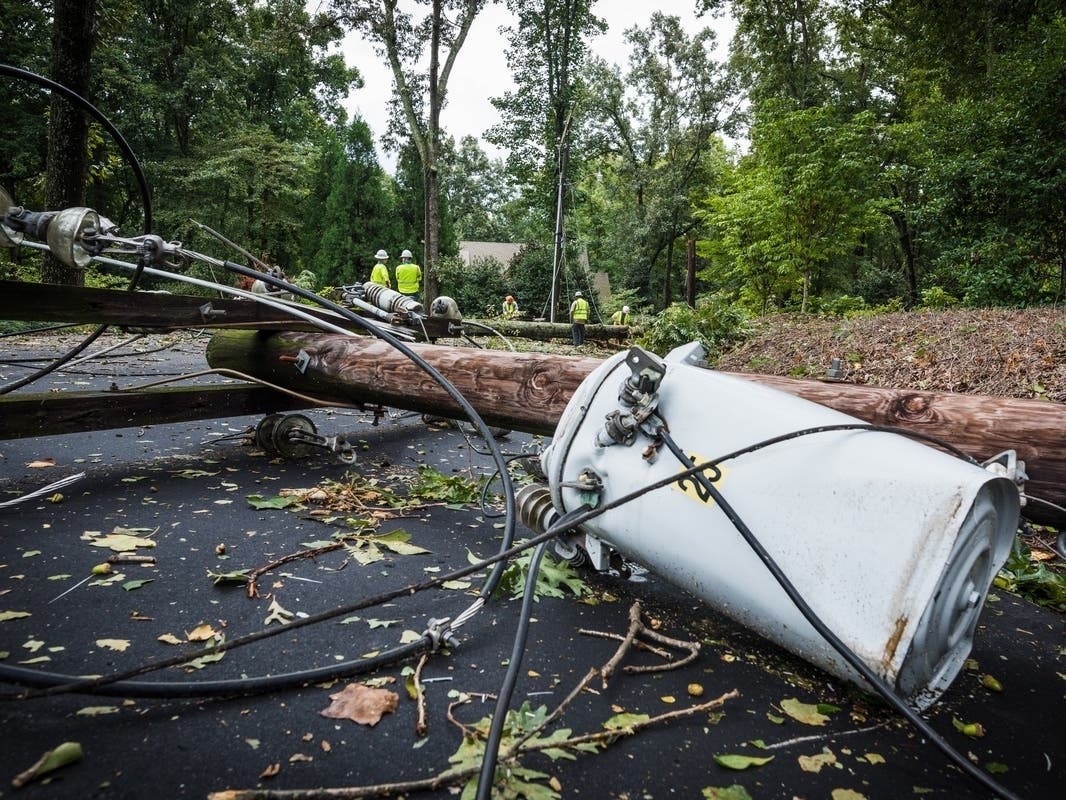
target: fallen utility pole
543 331
528 392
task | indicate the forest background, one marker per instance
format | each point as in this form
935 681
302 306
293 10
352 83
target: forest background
899 154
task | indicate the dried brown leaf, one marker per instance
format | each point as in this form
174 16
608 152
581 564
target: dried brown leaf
361 704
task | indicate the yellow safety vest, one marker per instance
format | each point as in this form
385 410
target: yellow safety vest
408 278
579 311
380 275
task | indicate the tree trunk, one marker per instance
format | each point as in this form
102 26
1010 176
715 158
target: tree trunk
68 129
529 391
431 178
690 273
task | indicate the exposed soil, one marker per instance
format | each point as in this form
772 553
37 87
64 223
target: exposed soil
1006 352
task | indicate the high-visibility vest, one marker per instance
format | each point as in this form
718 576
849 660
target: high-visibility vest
619 318
510 309
380 275
579 311
408 278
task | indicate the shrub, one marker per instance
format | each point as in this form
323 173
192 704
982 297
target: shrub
715 323
937 298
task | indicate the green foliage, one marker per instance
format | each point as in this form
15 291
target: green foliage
1032 579
936 297
516 781
715 323
435 485
478 289
554 578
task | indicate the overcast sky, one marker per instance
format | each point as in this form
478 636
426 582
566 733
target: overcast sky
481 71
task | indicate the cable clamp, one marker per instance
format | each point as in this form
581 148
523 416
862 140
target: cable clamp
440 633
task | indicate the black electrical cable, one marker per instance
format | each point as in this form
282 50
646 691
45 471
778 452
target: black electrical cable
823 630
219 688
85 105
510 678
142 184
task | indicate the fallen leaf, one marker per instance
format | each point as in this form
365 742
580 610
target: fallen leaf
741 762
96 711
734 792
381 623
271 770
847 794
278 614
169 638
806 713
119 645
192 473
6 616
66 753
122 542
991 683
296 757
253 743
874 758
361 704
815 763
129 586
201 633
41 463
996 768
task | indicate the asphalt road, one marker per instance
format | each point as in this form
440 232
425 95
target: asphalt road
186 488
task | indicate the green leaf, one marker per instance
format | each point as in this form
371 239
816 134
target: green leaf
996 768
61 756
734 792
398 541
739 762
276 502
129 586
806 713
236 576
625 721
6 616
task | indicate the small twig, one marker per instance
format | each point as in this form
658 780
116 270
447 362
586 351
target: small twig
252 581
817 737
420 696
664 654
127 558
635 624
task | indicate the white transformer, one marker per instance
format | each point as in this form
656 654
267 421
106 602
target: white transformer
893 544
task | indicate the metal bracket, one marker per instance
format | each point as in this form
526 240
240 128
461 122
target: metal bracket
440 633
207 312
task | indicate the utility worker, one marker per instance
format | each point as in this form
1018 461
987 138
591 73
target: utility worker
380 272
510 307
579 315
620 317
408 276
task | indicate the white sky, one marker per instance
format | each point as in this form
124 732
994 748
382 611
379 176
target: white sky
481 70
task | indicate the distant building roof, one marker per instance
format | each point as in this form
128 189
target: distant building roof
501 251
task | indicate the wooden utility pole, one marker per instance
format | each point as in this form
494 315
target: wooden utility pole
529 391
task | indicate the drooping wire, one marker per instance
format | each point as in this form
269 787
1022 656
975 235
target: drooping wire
142 184
824 631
